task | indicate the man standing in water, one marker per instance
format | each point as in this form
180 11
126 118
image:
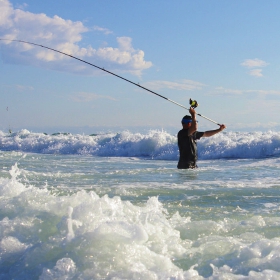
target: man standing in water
187 140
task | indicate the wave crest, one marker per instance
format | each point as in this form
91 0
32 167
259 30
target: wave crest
153 145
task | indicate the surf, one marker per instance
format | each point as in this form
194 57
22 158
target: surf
155 144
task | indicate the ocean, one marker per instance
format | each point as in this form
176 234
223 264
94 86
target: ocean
114 206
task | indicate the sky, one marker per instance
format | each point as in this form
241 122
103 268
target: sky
223 54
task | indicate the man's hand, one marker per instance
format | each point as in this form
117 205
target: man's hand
222 127
192 111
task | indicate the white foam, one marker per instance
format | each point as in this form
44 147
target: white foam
86 236
154 144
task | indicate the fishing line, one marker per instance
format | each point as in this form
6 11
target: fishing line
138 85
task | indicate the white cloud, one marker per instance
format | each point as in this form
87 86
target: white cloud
229 91
256 72
256 64
253 63
21 6
86 97
63 35
19 88
183 85
6 10
24 88
106 31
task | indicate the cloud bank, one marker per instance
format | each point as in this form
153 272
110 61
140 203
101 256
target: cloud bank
63 35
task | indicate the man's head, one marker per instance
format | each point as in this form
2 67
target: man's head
186 121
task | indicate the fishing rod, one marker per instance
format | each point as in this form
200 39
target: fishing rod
109 72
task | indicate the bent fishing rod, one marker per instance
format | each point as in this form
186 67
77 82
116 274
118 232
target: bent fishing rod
193 103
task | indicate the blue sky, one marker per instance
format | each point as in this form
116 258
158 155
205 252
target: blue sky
224 54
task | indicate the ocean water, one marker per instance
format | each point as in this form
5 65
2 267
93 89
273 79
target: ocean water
114 206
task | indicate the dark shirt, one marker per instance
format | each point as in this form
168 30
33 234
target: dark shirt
187 148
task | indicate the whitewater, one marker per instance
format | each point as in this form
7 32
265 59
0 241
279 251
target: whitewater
114 206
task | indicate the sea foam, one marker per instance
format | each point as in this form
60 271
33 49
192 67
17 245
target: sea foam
87 236
153 145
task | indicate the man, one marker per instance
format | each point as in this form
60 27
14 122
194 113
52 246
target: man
187 140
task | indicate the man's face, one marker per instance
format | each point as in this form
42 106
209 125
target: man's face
186 125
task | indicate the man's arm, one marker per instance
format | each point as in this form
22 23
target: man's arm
193 127
213 132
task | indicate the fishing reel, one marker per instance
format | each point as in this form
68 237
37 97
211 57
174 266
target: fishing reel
193 103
